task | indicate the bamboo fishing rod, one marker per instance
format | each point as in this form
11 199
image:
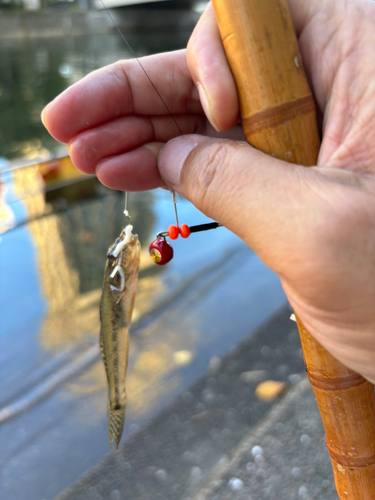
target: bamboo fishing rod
279 118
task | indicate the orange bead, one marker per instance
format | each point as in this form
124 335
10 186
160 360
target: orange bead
173 232
184 231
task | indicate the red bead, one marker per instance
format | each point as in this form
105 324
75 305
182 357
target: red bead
161 251
184 231
173 232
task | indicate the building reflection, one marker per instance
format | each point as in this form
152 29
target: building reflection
71 238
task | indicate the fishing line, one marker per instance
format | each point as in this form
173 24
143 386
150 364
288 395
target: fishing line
160 250
174 196
141 65
126 206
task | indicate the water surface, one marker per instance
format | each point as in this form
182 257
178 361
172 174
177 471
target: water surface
34 72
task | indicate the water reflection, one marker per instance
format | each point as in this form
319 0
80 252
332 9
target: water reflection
53 247
72 245
58 249
33 73
29 80
21 196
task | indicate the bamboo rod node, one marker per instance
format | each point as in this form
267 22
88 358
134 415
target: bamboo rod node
336 384
272 117
350 462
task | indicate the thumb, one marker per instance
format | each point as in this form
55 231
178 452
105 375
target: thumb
263 200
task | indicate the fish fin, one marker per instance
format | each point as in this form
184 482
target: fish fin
116 420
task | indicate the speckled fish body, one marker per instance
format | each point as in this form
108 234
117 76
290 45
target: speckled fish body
116 308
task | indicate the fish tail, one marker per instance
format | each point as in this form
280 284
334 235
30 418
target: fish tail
116 420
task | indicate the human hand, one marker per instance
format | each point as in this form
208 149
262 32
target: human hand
314 227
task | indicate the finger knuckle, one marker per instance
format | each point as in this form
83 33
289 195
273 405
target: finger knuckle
121 74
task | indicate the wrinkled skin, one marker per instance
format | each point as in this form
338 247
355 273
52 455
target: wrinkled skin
314 227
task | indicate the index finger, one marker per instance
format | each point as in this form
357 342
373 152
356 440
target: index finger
123 89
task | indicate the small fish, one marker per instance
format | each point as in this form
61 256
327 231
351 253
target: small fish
116 308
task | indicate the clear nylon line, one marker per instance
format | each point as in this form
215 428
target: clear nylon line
126 206
174 200
174 196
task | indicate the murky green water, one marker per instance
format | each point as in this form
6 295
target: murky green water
34 72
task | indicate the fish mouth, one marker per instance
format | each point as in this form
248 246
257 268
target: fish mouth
133 244
120 241
134 239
